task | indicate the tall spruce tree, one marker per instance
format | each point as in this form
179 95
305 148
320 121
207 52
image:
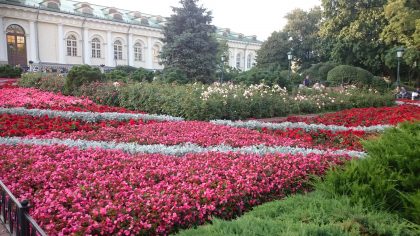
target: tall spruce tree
190 43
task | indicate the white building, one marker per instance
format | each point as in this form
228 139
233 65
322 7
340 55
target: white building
62 33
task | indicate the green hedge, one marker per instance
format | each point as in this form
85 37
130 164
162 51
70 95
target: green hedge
79 75
8 71
388 179
311 214
349 75
319 72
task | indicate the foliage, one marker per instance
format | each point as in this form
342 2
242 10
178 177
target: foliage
190 45
388 178
309 214
303 27
174 75
142 75
52 82
8 71
103 93
117 75
318 72
273 52
126 69
79 75
30 80
349 75
352 32
262 75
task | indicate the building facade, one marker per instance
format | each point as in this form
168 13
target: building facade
61 33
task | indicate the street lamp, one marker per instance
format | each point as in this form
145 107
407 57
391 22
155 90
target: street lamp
289 57
400 51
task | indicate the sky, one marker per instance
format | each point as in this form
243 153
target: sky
260 17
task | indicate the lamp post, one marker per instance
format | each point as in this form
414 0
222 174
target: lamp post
400 51
289 57
30 65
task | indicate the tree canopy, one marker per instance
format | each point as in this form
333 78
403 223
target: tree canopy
190 43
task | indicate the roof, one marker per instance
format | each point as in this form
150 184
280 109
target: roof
88 10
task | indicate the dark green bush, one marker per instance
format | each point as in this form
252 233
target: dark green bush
318 72
8 71
349 75
379 83
126 69
388 178
142 75
117 75
79 75
171 75
262 75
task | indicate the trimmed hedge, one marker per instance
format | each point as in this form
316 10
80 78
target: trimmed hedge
79 75
349 75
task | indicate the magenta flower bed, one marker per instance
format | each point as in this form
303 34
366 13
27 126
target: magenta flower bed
34 98
172 133
113 193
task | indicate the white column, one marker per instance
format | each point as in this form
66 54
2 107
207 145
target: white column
110 52
86 46
149 59
130 50
61 52
32 42
3 45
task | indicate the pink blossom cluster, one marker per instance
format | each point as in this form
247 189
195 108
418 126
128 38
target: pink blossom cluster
34 98
112 193
204 134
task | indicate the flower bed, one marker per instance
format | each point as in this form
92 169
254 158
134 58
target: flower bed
23 125
109 192
33 98
172 133
364 116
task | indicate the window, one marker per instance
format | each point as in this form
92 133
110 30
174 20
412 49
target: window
96 48
156 52
249 61
72 46
117 50
238 60
138 52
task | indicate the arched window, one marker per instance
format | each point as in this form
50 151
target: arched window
72 46
118 50
96 48
249 61
138 52
238 60
156 52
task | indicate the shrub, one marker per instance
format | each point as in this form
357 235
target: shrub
310 214
349 75
103 93
142 75
262 75
52 82
388 178
8 71
79 75
30 80
171 75
116 75
379 83
126 69
318 72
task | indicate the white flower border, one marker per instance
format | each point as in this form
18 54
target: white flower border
173 150
86 116
407 103
253 124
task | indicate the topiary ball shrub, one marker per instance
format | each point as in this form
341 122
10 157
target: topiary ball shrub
318 72
349 75
79 75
